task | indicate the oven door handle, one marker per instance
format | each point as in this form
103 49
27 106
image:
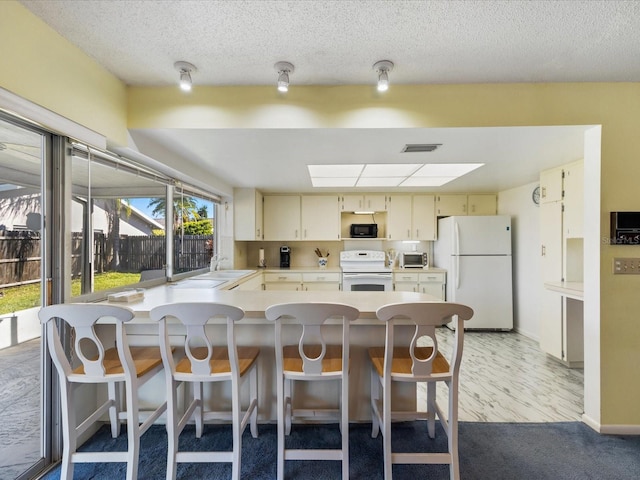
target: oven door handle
367 275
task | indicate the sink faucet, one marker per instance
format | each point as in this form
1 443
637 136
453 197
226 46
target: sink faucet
216 260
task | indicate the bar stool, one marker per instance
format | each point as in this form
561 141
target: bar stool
206 363
116 366
413 363
311 359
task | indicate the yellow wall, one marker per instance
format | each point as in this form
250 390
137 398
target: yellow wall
43 67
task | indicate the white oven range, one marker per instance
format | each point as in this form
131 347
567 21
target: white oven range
365 270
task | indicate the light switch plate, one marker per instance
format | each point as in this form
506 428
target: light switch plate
626 266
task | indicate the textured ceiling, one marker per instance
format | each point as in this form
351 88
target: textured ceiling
237 42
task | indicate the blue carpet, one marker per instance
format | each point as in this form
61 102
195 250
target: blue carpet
488 451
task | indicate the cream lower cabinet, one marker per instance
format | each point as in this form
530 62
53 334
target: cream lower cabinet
430 283
302 281
321 281
283 281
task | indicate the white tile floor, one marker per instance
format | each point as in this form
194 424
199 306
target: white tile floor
504 378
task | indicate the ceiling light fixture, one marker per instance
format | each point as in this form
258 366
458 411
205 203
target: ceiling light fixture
283 69
185 69
383 67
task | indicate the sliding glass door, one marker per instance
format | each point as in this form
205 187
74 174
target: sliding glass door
23 155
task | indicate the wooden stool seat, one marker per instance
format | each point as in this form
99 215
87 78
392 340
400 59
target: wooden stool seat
145 360
331 362
402 362
219 360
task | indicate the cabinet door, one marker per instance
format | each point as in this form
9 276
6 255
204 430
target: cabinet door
482 204
399 217
247 214
283 286
424 217
551 185
573 220
352 203
320 217
551 240
433 284
376 203
448 205
321 286
551 323
282 217
405 287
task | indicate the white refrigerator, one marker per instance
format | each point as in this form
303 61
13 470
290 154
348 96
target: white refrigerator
476 252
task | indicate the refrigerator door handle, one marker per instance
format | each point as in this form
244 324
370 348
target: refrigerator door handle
457 272
456 238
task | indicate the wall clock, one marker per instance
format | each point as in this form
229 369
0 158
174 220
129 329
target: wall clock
535 195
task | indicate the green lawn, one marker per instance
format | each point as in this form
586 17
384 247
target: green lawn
27 296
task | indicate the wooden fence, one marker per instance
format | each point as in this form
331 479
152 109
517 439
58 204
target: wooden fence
20 255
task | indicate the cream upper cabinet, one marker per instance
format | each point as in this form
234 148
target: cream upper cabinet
573 220
369 203
282 217
247 214
320 217
482 204
551 185
449 205
423 217
399 217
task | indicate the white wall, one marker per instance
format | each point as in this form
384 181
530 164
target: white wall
527 280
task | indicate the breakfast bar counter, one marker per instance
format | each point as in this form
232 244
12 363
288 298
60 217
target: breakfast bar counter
256 330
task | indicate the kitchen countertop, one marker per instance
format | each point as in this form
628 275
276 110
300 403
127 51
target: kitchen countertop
255 302
573 290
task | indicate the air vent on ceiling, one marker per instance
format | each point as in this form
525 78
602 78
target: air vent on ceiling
420 147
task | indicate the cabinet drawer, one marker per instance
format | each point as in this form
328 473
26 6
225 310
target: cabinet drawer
283 277
320 277
432 278
405 277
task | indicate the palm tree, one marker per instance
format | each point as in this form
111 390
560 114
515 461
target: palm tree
185 209
114 208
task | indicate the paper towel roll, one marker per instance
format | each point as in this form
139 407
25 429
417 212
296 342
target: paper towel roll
261 258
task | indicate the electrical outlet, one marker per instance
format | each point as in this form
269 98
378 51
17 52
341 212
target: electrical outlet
626 266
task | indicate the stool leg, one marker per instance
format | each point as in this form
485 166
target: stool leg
453 431
386 430
431 409
133 431
114 411
199 411
69 438
253 397
236 431
172 427
344 424
281 426
375 397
